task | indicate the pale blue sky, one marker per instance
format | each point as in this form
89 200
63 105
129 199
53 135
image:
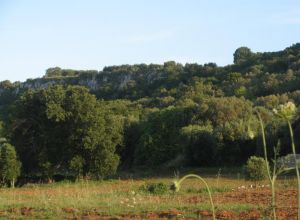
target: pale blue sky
91 34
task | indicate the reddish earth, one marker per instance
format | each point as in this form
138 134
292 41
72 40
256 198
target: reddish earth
254 214
286 203
27 210
69 210
282 214
286 198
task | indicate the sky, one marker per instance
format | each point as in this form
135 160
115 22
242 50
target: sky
91 34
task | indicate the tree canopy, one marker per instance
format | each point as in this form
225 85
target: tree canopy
91 123
53 126
10 166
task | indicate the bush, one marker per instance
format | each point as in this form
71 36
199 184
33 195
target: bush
256 169
155 188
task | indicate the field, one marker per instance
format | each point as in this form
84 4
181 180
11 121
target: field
125 198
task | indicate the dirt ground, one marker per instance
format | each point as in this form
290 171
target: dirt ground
286 203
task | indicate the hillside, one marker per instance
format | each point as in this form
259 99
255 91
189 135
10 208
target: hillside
262 73
172 114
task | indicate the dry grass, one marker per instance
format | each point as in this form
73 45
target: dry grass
120 196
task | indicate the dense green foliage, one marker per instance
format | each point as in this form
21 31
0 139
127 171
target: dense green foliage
155 188
10 166
256 169
53 127
170 115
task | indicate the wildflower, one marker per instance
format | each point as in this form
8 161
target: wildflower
251 134
285 111
175 186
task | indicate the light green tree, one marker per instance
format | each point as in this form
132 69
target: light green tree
10 166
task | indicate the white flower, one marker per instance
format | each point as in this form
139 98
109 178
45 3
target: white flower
175 186
251 134
286 111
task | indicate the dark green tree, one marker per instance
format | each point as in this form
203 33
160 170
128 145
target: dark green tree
51 126
159 141
53 72
241 55
2 138
200 145
76 165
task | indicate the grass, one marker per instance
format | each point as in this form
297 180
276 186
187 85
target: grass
118 197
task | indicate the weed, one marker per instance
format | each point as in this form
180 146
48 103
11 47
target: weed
176 187
287 113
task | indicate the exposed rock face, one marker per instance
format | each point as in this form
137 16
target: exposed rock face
100 82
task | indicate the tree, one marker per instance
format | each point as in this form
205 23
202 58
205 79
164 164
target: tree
200 144
225 110
10 166
2 138
241 91
241 55
53 72
159 142
76 165
51 126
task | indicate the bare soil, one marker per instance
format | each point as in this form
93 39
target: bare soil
286 203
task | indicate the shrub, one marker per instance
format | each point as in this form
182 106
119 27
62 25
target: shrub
155 188
256 169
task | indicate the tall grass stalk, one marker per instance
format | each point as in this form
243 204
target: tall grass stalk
176 187
296 166
272 178
287 113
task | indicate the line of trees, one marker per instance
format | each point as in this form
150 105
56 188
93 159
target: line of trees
149 116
